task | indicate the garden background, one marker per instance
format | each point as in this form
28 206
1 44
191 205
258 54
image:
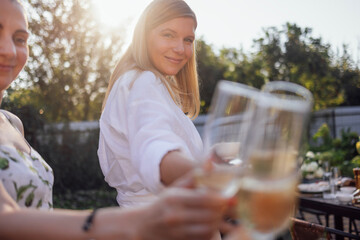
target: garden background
71 59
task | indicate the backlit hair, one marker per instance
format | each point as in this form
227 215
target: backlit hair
183 87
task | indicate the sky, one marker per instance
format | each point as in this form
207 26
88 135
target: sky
236 23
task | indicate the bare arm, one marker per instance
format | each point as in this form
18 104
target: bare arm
18 223
173 166
178 214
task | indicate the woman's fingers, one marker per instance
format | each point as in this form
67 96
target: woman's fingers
182 213
187 214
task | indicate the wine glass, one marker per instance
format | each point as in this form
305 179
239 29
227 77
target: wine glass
288 89
336 173
228 121
329 192
267 190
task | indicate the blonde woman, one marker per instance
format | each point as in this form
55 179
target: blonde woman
147 138
26 180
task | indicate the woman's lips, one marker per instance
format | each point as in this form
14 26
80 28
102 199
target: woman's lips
6 67
174 60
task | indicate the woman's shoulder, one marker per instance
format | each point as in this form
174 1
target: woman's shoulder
15 120
137 77
146 78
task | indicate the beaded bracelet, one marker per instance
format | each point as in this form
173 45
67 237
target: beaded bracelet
89 221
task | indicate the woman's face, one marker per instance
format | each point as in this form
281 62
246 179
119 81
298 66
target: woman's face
170 45
13 42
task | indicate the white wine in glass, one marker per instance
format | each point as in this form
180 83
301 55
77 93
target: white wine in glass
265 204
226 126
267 196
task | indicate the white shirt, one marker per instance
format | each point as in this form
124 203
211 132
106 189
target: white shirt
139 125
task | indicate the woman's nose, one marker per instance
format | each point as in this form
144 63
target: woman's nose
7 47
179 47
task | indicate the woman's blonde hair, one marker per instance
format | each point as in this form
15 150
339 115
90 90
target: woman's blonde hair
183 87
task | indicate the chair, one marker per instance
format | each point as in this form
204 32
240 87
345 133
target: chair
352 224
340 235
303 230
317 213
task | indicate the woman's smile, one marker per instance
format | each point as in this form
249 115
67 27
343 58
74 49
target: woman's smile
174 60
6 68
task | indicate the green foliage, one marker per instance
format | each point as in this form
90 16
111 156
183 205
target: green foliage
71 58
290 54
356 160
210 71
323 133
339 151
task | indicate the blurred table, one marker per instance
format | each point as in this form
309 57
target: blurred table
331 207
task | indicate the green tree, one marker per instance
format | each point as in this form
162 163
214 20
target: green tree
289 54
346 71
242 68
292 54
71 58
210 71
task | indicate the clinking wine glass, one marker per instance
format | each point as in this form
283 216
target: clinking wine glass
288 89
225 128
267 190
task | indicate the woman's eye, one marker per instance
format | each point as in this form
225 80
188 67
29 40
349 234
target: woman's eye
168 35
20 41
189 40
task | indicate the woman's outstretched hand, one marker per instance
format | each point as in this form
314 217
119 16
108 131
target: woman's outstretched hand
183 213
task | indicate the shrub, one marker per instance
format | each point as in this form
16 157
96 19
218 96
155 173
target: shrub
338 152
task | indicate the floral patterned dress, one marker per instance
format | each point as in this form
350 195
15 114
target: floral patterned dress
26 177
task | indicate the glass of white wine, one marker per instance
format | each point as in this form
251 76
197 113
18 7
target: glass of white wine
228 120
285 89
267 190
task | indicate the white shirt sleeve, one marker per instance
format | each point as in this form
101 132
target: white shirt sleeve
150 113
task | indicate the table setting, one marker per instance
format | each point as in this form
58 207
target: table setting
343 194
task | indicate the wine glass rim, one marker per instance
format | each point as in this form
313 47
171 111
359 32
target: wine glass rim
236 88
293 103
288 86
